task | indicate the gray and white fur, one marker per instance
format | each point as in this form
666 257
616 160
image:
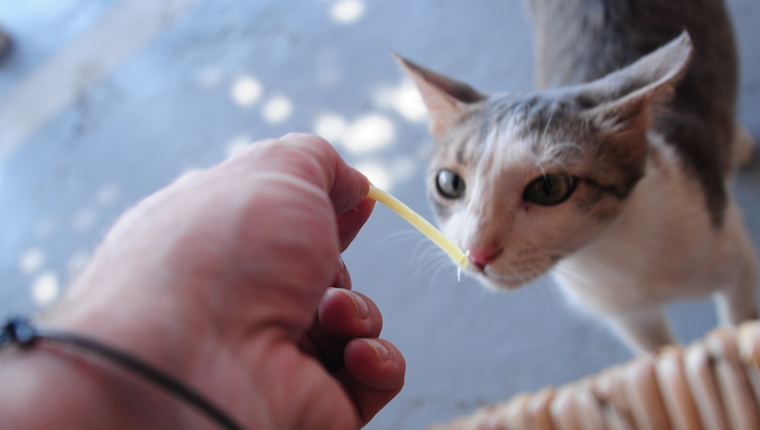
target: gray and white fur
613 176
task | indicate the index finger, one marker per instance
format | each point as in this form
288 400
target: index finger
346 186
351 221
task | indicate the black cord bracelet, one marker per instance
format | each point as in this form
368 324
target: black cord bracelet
20 331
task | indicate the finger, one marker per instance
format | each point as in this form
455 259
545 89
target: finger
373 374
342 315
351 221
346 186
341 278
310 158
347 314
323 347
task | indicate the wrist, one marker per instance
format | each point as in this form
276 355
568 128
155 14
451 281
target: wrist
150 327
52 386
197 363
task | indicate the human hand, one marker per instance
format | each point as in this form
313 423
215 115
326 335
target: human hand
218 277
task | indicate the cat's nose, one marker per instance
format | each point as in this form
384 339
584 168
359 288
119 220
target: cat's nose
481 257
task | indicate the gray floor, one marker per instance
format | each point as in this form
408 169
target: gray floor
104 101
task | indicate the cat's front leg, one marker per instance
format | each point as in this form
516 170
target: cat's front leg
644 329
737 297
735 307
738 303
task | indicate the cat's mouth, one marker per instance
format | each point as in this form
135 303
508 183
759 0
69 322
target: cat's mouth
510 278
503 281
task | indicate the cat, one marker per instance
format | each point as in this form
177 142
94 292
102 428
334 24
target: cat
613 177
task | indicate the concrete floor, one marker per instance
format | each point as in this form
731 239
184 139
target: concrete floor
104 101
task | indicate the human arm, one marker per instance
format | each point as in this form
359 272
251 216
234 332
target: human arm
218 278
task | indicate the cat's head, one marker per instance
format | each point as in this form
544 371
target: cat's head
524 181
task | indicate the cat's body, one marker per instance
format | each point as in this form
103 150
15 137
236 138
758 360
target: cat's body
615 180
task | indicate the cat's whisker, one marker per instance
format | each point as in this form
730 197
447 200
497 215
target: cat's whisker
428 263
549 121
559 153
440 271
425 255
530 278
425 252
399 237
528 284
424 249
544 299
429 258
544 132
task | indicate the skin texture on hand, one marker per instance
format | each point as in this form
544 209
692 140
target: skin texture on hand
223 279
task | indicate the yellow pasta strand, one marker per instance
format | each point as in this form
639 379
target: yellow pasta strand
420 224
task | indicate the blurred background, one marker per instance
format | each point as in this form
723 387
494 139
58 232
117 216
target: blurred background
103 101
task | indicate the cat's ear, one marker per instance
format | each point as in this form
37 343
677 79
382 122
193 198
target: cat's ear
623 99
447 100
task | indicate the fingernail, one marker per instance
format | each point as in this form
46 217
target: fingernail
382 352
362 308
338 278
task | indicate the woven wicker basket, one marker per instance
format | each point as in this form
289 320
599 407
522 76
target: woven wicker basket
713 384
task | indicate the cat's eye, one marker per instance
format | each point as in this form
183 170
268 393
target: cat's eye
449 184
549 190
